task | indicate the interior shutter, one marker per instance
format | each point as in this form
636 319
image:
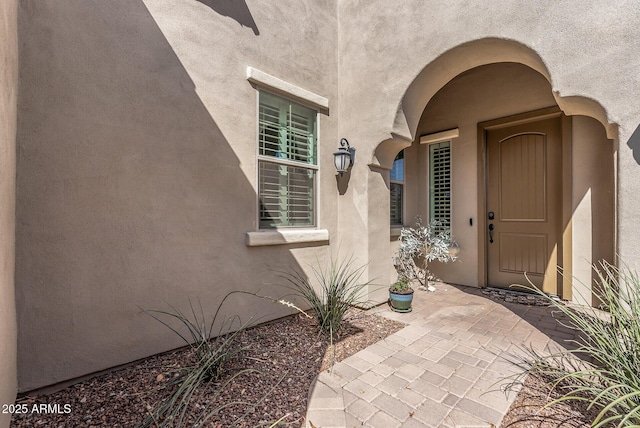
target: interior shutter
287 132
440 183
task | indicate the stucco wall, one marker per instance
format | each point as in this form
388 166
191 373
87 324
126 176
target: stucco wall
593 203
589 54
8 103
137 145
137 168
495 91
481 94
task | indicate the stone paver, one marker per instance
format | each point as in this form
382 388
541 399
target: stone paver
411 398
361 410
372 378
358 363
431 413
392 385
382 419
428 390
443 370
383 370
362 390
393 406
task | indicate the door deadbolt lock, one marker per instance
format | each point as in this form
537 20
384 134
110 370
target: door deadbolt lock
491 215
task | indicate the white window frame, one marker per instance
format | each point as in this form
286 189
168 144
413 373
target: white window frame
438 138
281 161
431 195
290 234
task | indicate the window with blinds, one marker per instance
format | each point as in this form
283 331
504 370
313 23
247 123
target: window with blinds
287 162
396 189
440 183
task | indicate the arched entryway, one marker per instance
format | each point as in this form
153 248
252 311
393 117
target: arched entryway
503 108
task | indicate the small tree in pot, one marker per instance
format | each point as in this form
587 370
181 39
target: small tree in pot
419 246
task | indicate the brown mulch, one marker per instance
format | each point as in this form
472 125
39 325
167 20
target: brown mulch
285 355
529 410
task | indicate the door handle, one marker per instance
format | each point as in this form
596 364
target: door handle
491 227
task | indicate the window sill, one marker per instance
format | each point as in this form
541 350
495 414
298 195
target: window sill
395 231
281 237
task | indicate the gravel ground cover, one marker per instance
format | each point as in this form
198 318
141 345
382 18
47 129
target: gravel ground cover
511 296
530 408
529 411
286 356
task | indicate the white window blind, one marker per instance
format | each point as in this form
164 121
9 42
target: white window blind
287 162
440 183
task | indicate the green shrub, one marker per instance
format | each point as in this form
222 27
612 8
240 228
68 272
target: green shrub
211 353
339 289
401 286
604 367
212 350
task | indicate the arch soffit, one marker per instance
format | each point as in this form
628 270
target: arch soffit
458 60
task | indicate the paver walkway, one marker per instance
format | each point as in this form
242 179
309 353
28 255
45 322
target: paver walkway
439 371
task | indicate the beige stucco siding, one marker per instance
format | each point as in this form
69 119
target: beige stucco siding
481 94
389 47
593 203
137 160
137 163
396 59
496 91
8 104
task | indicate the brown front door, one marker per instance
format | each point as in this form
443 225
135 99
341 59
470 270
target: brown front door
523 204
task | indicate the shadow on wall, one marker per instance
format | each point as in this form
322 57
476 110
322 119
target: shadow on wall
128 192
342 182
512 88
234 9
634 144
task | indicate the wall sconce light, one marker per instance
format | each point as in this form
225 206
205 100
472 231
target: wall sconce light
344 157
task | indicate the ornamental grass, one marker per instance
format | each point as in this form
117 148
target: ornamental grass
603 366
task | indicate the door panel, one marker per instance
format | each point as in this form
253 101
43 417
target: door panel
523 253
522 178
523 191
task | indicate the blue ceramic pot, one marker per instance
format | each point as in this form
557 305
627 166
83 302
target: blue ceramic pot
400 302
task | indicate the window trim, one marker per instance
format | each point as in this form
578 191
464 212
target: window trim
435 138
404 185
440 137
282 161
287 90
429 169
292 235
276 238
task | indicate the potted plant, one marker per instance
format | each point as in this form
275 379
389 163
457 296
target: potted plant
401 295
420 245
